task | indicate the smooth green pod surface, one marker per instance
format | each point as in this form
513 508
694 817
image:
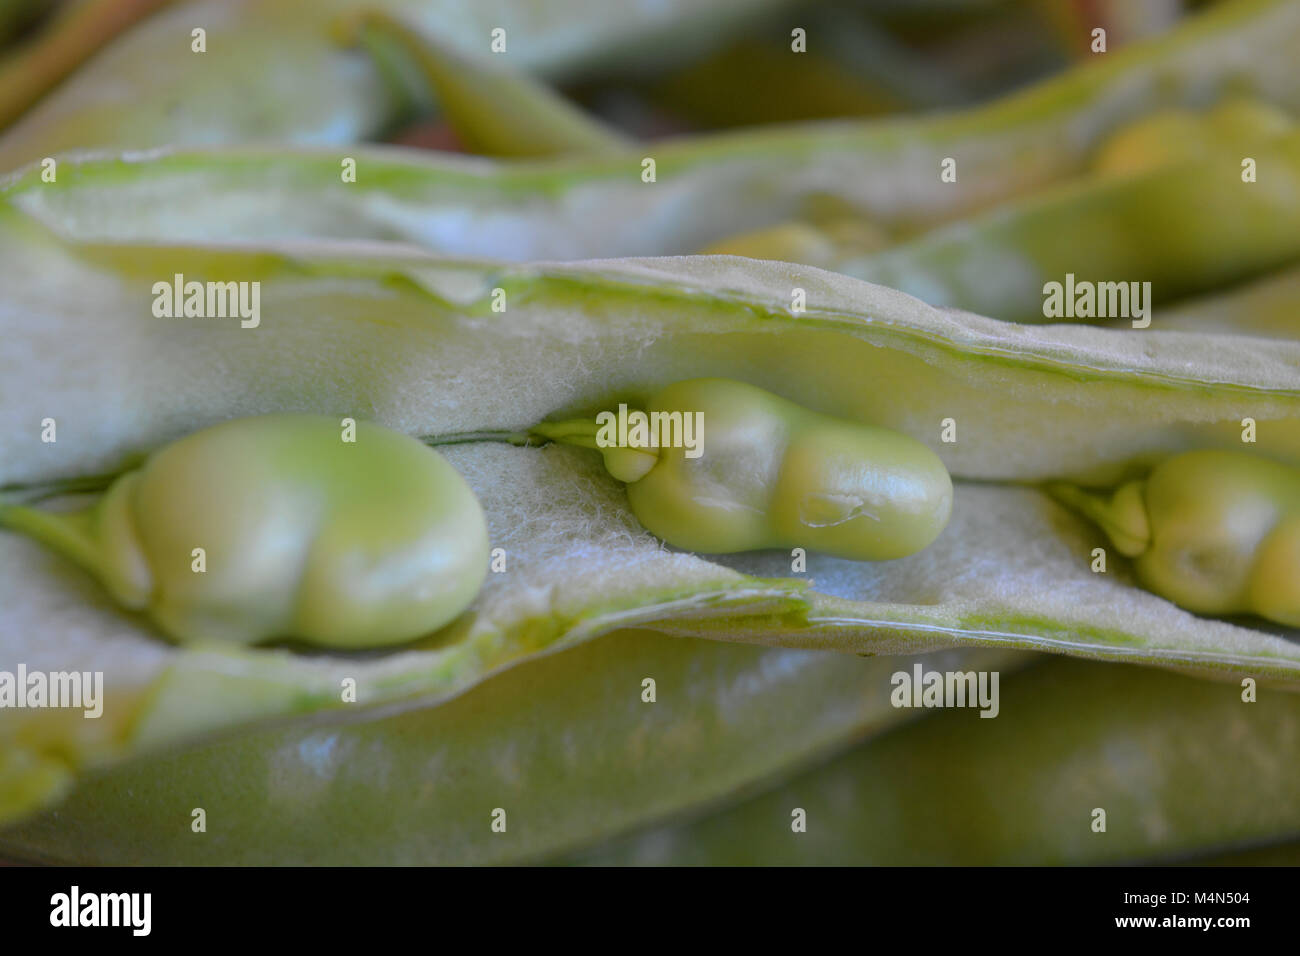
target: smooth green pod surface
1216 532
279 527
493 111
564 744
773 474
1266 308
1165 757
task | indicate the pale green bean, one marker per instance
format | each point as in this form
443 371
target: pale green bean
1216 532
750 470
283 526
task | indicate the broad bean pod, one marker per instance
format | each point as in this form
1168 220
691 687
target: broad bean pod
493 111
1234 128
281 527
705 189
1266 308
563 743
383 331
247 87
1184 229
1037 775
1216 532
481 714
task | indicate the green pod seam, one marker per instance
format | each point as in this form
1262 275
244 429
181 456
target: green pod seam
282 526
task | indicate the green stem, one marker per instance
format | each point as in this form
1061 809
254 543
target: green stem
29 494
467 438
68 533
625 464
1121 515
574 431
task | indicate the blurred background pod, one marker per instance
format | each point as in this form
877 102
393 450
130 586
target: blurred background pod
247 85
707 188
1161 755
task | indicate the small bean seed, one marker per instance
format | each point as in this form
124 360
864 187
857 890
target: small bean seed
1216 532
772 474
1168 136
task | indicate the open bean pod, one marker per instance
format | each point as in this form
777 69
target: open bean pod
482 631
1004 407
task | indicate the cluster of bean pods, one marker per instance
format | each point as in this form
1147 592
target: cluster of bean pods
382 560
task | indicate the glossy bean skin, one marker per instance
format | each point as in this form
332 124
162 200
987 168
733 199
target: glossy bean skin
1225 535
304 535
823 245
1216 532
773 474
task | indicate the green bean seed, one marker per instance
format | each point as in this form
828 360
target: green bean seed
1168 136
276 527
1216 532
768 473
807 243
1187 229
